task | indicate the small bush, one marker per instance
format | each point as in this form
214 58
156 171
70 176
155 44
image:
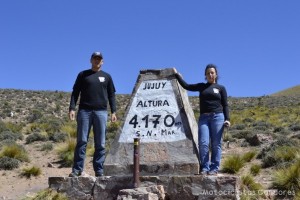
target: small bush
286 153
227 137
7 142
35 137
241 134
66 152
3 126
247 157
53 125
255 169
239 127
278 129
8 163
268 154
70 129
248 120
113 127
232 164
34 116
15 151
249 186
58 137
48 194
249 182
288 178
10 135
15 127
32 171
295 127
261 124
48 146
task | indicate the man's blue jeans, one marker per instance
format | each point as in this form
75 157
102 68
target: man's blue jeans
210 130
85 120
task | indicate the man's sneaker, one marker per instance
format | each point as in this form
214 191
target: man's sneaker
213 173
74 174
99 174
203 173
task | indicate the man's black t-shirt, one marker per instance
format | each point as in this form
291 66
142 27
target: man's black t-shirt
96 89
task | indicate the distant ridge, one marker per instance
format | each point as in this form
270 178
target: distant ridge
293 91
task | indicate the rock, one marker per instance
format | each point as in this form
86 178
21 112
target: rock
169 187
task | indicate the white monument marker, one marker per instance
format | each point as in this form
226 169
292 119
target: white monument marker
154 115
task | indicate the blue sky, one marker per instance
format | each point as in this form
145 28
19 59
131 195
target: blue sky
254 43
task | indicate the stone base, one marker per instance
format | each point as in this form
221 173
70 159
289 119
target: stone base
174 187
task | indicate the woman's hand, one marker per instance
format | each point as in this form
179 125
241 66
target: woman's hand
227 123
113 117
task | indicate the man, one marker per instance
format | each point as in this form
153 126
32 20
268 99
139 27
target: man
96 89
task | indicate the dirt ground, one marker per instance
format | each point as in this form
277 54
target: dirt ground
15 187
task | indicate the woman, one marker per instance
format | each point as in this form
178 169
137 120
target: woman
214 115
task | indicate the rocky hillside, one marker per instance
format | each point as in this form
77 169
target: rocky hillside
267 128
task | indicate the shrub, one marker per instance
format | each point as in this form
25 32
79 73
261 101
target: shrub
278 129
268 154
248 184
66 152
53 125
32 171
58 137
262 124
69 128
247 157
10 135
48 146
14 127
294 127
15 151
239 127
255 169
248 120
288 178
3 126
35 115
7 142
286 153
8 163
232 164
113 127
227 137
35 137
241 134
48 194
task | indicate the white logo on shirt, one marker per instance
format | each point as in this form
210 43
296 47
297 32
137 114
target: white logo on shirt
216 90
101 79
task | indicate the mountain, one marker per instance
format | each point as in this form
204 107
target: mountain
293 91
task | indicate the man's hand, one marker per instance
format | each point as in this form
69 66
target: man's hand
113 117
72 115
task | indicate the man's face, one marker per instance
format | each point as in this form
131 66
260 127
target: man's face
97 61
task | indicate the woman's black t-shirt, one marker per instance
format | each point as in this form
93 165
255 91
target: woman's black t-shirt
212 97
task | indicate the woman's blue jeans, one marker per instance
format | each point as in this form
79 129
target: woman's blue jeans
85 120
210 130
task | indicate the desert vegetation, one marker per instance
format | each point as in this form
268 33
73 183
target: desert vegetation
263 139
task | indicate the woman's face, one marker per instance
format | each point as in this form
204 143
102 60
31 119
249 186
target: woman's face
211 75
